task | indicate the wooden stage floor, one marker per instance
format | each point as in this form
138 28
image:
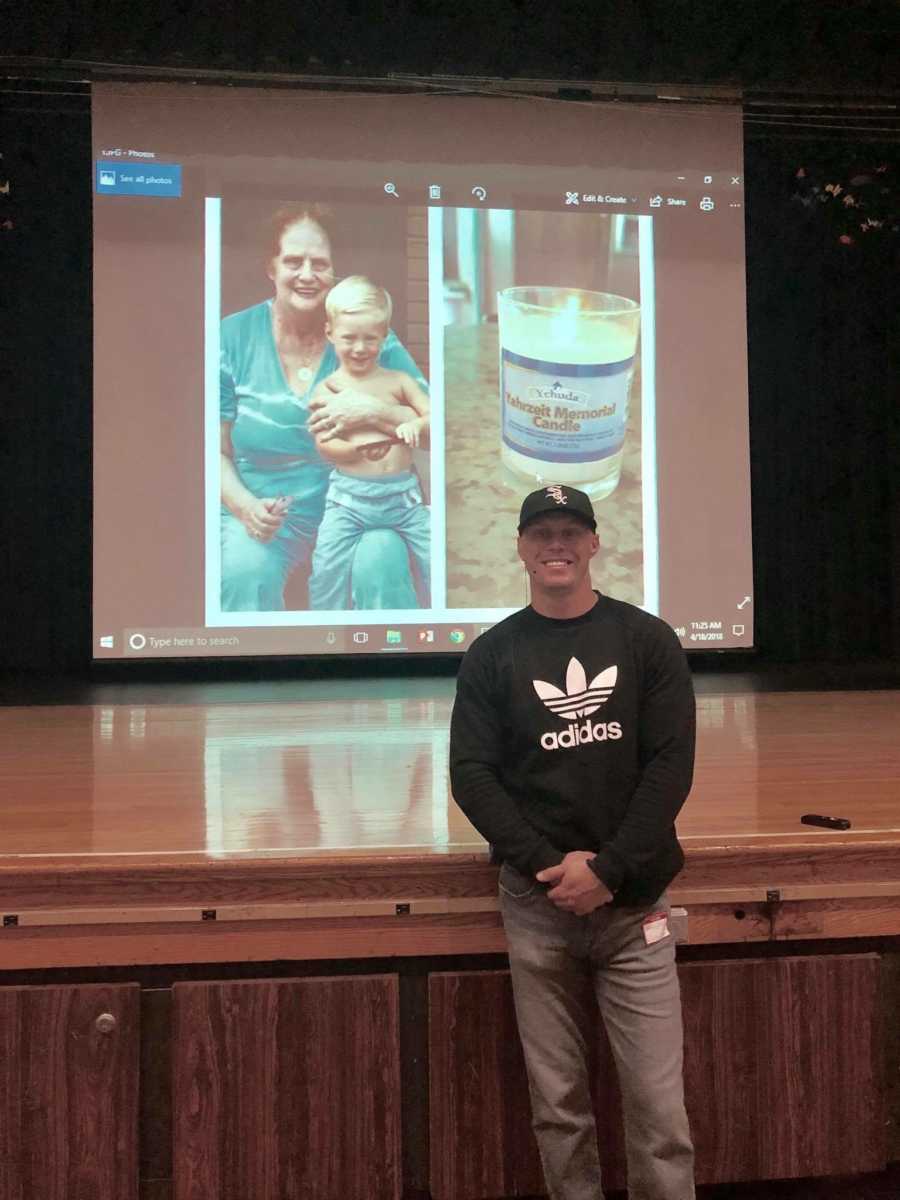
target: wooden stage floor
331 811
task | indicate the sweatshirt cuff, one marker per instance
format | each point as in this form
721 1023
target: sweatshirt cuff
545 855
609 869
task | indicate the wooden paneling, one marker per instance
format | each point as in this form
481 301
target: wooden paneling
314 879
155 1112
782 1077
782 1067
156 1189
480 1130
214 942
481 1139
287 1089
68 1093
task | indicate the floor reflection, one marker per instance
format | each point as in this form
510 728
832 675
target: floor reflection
376 781
360 775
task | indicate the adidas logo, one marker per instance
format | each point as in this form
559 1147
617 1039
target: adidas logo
579 700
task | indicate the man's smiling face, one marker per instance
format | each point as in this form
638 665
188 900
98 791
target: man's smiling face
557 549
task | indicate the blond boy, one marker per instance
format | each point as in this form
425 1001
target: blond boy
373 485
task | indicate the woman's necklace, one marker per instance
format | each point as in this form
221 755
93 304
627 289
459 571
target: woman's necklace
304 372
299 363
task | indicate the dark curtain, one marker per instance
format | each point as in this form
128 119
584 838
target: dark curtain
45 377
830 45
825 434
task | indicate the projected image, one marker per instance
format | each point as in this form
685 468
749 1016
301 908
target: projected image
370 323
322 438
544 331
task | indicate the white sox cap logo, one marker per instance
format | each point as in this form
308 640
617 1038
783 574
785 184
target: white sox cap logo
556 497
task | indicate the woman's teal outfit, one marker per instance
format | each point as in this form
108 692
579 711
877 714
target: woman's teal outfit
275 455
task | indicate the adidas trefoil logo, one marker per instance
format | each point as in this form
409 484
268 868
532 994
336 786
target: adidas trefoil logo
580 698
578 701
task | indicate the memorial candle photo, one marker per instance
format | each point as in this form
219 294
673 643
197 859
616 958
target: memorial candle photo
566 364
547 323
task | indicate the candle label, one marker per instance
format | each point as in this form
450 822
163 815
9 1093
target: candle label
564 412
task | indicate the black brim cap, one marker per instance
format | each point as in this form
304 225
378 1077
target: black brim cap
557 498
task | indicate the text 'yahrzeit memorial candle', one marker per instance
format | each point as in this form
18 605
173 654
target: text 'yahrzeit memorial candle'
566 362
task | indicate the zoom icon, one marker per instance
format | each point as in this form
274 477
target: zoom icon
479 193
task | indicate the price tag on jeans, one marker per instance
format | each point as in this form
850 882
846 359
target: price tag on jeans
656 927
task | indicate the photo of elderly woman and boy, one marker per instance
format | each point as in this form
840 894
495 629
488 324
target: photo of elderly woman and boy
324 427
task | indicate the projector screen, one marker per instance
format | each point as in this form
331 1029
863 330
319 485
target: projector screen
338 337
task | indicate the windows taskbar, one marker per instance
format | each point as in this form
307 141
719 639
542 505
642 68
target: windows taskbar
143 643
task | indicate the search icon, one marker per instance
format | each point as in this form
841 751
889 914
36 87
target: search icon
391 189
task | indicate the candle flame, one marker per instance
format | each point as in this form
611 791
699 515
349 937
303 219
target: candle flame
565 322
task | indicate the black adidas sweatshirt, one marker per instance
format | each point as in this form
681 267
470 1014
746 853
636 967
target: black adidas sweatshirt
577 735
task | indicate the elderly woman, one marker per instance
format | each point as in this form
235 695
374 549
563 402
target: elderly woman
273 479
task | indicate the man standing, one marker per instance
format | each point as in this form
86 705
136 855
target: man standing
571 751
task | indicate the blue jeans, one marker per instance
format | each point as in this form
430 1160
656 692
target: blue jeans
254 574
557 960
356 509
